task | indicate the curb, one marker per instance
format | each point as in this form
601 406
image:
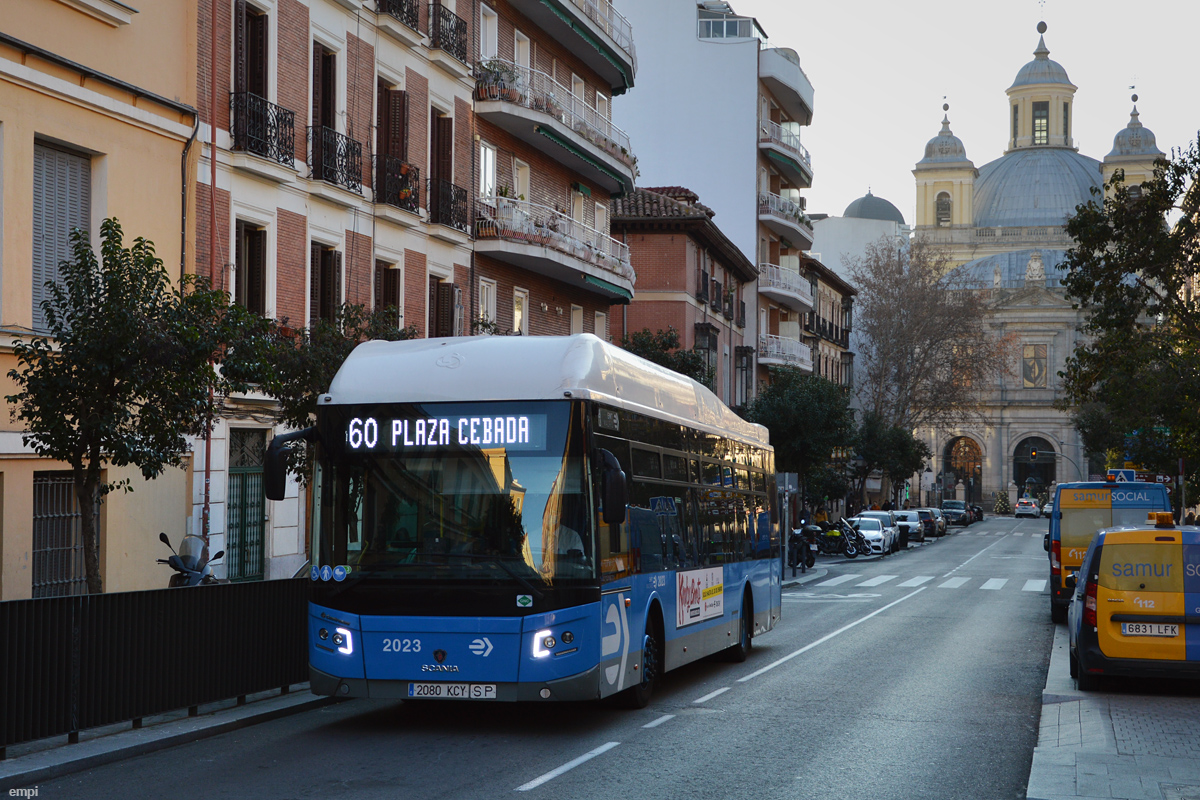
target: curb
25 771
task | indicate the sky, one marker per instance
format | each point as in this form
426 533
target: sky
881 71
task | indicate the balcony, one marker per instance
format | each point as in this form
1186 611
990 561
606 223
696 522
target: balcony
534 108
779 69
398 185
786 287
448 41
778 351
783 147
786 218
542 240
400 19
449 208
335 159
593 31
264 130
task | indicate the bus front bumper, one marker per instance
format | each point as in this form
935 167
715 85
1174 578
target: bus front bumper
584 686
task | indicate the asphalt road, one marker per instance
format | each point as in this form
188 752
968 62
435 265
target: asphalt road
923 683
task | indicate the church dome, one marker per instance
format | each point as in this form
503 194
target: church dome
1008 270
1134 140
871 207
1041 69
945 148
1031 187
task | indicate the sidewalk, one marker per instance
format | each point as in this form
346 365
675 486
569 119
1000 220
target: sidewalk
35 762
1113 745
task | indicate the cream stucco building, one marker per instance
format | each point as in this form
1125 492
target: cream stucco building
1003 225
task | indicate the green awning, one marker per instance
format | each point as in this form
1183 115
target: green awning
625 294
587 37
553 136
787 161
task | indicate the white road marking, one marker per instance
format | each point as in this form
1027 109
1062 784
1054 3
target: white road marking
878 580
917 581
659 721
1033 586
711 695
994 583
972 558
827 637
1018 533
570 765
953 583
838 580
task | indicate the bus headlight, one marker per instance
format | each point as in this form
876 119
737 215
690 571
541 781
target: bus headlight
542 641
344 640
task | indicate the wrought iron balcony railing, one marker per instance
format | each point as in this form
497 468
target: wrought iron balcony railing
531 223
335 158
769 131
448 205
262 128
397 183
407 11
447 32
498 79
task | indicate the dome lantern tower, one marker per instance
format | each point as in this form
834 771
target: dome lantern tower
1134 150
945 181
1040 100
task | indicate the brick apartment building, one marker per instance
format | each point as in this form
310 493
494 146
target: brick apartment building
827 327
692 278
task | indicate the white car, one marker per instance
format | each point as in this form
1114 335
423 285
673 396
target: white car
1026 508
873 531
1046 509
891 528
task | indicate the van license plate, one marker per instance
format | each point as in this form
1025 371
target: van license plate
1148 629
452 691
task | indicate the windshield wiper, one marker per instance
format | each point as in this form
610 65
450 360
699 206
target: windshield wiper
500 563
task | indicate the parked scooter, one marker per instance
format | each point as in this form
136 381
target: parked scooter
191 568
802 547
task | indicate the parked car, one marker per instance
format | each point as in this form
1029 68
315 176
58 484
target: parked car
957 513
874 532
1046 509
939 520
1026 508
928 523
891 529
912 528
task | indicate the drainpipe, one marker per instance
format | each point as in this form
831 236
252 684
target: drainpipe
184 198
206 513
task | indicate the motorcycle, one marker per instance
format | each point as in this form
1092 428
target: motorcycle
191 568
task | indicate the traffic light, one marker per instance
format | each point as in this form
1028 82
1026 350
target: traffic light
1033 455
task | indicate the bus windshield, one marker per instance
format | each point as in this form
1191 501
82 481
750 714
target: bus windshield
455 490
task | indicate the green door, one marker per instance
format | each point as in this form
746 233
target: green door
245 548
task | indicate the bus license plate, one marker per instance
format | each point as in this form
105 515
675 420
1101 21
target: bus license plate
452 691
1148 629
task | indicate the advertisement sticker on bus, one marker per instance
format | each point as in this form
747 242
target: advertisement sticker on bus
698 596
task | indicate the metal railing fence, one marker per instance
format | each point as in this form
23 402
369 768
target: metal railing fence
262 128
335 158
448 32
407 11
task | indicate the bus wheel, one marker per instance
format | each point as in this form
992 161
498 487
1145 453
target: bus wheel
652 665
741 650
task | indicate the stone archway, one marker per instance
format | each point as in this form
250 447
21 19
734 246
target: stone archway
962 460
1034 473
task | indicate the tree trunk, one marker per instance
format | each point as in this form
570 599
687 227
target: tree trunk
87 487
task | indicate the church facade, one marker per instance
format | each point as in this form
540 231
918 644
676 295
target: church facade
1003 227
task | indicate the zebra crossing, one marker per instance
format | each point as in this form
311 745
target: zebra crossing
957 582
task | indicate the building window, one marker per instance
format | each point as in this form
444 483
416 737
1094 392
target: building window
389 290
521 170
58 569
62 202
602 107
602 325
576 319
488 27
1041 123
1033 366
487 300
487 170
944 208
1066 123
326 283
521 50
1014 126
521 312
707 345
444 308
245 544
250 268
324 100
602 218
250 50
744 374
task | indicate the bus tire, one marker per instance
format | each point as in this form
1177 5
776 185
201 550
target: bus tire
739 651
652 666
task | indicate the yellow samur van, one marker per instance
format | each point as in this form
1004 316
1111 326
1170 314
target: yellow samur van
1136 604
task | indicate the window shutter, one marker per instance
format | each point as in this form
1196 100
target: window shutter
397 124
380 299
256 267
335 283
256 57
391 287
239 45
314 297
445 309
318 84
328 90
61 203
445 152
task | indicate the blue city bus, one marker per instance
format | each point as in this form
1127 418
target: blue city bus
1081 509
530 519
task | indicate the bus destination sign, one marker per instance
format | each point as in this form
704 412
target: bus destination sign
458 432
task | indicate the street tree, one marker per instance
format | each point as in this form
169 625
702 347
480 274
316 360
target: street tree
808 418
925 347
1134 385
124 374
890 450
665 349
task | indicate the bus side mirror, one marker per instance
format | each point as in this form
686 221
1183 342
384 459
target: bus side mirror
615 491
275 462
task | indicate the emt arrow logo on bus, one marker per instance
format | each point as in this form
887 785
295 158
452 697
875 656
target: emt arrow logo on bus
481 647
